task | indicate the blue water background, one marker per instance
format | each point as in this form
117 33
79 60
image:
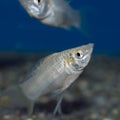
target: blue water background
21 33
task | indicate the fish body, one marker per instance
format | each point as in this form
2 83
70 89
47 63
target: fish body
56 13
55 73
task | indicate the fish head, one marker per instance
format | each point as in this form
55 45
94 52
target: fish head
36 8
78 58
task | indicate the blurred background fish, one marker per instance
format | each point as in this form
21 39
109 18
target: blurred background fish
102 29
56 13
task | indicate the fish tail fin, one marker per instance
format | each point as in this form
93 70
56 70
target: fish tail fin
13 98
76 19
85 25
80 19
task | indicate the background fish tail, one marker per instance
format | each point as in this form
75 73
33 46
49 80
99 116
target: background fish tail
76 19
13 98
85 27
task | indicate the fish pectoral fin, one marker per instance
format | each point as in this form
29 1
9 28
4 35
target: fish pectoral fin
56 92
31 107
69 80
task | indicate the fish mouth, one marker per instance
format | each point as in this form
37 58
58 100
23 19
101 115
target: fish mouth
44 17
90 48
35 11
80 69
45 14
76 67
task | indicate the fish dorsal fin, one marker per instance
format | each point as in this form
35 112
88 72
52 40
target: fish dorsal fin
32 71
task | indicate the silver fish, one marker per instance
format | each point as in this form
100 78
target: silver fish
54 74
56 13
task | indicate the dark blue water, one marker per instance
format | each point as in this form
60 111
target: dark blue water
19 32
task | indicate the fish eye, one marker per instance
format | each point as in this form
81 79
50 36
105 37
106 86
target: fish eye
79 54
39 1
